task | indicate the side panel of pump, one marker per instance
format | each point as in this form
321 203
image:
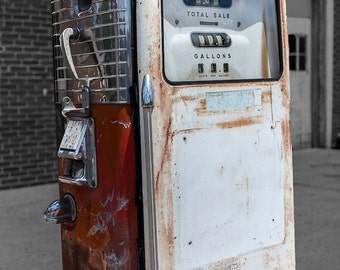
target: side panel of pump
218 189
98 205
105 233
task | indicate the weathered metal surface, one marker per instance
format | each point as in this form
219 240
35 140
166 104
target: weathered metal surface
217 175
222 175
104 235
92 49
100 56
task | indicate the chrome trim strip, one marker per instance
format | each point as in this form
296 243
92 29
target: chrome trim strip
150 228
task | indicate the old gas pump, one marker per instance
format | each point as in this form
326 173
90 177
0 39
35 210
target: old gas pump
94 73
174 145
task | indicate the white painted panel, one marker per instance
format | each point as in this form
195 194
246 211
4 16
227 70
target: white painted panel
228 195
227 189
301 99
219 157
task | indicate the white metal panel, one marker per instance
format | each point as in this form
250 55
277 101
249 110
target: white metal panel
227 185
221 170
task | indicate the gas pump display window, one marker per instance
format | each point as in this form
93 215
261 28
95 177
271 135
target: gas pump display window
208 3
220 40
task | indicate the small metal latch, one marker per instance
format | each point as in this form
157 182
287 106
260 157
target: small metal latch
69 110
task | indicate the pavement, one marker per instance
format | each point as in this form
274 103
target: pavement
26 242
317 203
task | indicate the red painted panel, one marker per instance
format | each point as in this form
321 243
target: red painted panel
104 235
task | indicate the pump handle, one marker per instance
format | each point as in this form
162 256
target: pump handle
65 37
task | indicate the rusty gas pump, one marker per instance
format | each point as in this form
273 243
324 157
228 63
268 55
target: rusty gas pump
94 73
173 138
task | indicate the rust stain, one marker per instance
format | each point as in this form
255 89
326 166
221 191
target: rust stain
163 140
82 257
287 147
266 97
166 192
203 104
166 153
188 131
189 98
285 127
239 123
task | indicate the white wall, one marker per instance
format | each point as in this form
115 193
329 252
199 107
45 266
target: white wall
299 8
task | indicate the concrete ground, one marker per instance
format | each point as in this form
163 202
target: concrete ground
28 243
317 203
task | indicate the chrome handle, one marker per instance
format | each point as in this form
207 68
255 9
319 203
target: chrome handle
65 37
60 211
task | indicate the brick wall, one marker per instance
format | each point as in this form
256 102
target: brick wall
336 75
27 127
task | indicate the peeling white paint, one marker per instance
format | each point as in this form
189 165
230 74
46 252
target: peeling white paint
119 122
108 199
101 225
121 203
99 137
107 216
95 229
115 262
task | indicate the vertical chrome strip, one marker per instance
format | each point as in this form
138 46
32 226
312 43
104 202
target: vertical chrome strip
150 229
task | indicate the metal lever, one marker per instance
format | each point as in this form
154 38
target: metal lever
66 35
69 110
60 211
77 34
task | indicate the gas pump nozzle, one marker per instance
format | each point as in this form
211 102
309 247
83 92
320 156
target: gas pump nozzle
60 211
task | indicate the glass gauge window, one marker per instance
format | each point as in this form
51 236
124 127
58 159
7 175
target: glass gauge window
221 40
209 3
